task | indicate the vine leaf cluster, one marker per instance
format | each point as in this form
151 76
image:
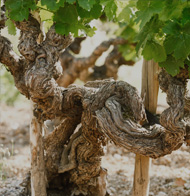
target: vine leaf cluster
161 28
164 33
74 16
68 15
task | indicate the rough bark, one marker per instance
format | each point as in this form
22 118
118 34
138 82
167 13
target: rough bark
54 145
187 119
2 16
154 141
41 69
105 109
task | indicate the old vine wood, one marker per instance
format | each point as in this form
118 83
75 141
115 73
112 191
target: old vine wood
100 110
149 92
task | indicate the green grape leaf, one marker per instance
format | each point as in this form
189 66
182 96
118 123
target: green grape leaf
147 8
171 27
52 4
87 29
66 20
178 42
46 18
123 11
187 61
65 28
128 52
67 14
110 8
173 9
172 65
128 33
19 15
11 27
124 15
186 15
45 15
19 9
70 1
155 51
182 46
13 4
148 32
169 44
132 3
186 28
94 13
90 31
86 4
84 14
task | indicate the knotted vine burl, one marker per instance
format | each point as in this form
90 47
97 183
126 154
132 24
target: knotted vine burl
89 115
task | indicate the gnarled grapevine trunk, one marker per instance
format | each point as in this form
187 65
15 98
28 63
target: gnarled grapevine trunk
154 141
105 109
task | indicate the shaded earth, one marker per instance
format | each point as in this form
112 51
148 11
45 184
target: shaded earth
169 175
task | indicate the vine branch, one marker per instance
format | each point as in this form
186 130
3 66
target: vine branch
78 67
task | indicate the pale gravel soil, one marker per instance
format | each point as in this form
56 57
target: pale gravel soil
169 176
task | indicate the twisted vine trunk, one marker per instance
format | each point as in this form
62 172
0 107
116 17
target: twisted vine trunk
153 141
104 110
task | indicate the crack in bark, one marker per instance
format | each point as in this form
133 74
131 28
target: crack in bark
155 141
106 109
68 163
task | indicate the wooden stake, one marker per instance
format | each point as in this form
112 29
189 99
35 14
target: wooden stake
149 89
38 176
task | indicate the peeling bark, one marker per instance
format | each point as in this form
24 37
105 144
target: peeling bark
54 145
40 72
106 109
153 141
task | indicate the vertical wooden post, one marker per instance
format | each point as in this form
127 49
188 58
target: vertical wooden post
38 171
149 89
38 176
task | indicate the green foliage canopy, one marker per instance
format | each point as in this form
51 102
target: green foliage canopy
164 32
161 28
